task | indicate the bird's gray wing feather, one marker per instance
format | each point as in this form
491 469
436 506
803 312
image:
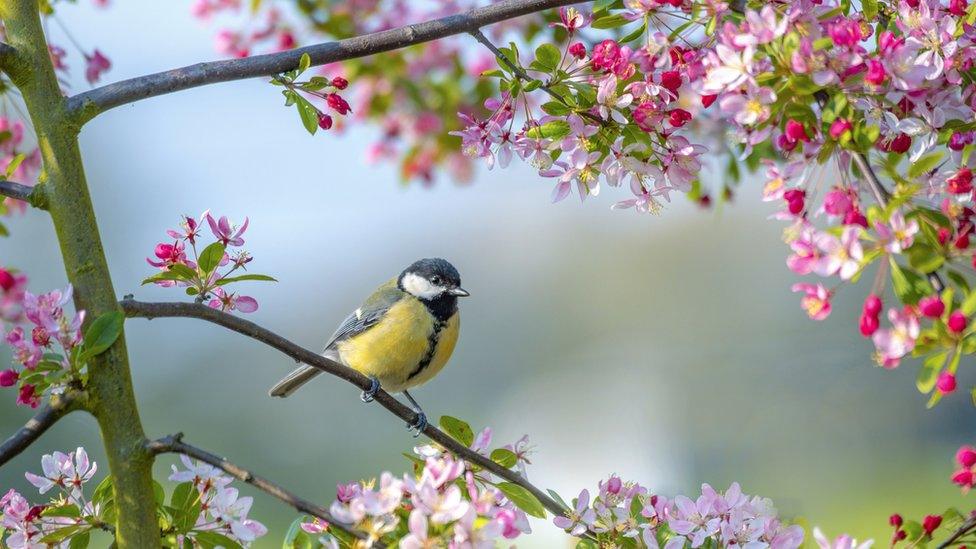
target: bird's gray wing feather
362 319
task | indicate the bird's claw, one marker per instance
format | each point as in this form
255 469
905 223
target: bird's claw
418 425
369 394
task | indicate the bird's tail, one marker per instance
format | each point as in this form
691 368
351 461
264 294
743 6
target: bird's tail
293 381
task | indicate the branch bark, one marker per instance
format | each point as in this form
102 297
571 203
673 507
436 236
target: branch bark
966 528
32 195
59 407
85 106
111 398
140 309
174 444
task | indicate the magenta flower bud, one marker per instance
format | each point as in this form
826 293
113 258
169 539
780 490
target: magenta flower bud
164 251
7 280
896 520
931 306
901 144
796 131
839 127
963 478
958 7
340 83
960 182
966 456
8 378
876 72
337 103
855 217
946 383
578 50
838 202
614 485
872 305
931 523
959 140
40 337
957 322
869 324
325 121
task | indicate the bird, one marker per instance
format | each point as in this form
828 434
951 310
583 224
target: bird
400 337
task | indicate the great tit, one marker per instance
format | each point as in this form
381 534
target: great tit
401 336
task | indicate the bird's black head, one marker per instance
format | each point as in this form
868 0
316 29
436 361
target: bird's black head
431 280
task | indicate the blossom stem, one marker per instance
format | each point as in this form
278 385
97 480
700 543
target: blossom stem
85 106
966 528
60 406
140 309
173 444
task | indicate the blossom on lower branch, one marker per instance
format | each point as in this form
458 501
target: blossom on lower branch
623 509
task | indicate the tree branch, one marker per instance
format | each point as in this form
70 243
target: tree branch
59 407
140 309
85 106
173 444
966 528
882 195
32 195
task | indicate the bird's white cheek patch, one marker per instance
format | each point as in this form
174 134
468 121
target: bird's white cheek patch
420 287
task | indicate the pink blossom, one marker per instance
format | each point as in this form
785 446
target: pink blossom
898 234
225 232
897 341
580 518
815 301
95 65
840 542
749 108
232 302
841 256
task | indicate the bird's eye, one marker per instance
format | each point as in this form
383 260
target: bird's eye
436 280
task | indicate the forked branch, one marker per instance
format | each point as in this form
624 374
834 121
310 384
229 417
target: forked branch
140 309
173 444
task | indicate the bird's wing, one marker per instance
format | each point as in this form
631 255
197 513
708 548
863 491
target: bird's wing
368 314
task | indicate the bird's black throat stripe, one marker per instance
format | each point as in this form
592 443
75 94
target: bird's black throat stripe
432 340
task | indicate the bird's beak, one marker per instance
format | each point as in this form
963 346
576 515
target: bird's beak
458 292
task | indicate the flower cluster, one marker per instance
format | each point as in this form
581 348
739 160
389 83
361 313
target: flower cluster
624 510
965 474
445 502
318 87
212 268
919 533
49 353
68 517
205 509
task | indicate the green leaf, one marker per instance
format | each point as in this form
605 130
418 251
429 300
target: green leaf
556 108
60 534
209 539
556 129
924 164
504 457
523 499
610 21
548 56
968 306
304 63
930 372
457 429
296 538
925 259
80 541
559 499
186 506
634 34
241 278
308 113
210 258
909 286
14 164
870 9
102 334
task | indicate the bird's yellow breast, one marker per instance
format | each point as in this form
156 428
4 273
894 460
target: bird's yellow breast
405 349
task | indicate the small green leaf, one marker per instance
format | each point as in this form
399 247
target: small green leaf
924 164
60 534
870 9
186 506
304 63
14 164
504 457
458 430
930 372
523 499
80 541
548 56
556 129
210 258
102 334
556 108
296 538
241 278
908 285
923 258
308 113
209 539
610 21
968 306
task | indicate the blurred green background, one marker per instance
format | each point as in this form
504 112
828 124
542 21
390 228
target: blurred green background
665 349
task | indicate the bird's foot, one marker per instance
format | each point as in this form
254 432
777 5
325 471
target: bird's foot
369 394
418 425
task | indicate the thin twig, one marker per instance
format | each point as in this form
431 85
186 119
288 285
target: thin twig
173 444
480 37
966 528
882 195
85 106
60 406
140 309
32 195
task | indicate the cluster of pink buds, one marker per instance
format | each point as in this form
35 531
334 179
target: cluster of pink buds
320 88
212 267
965 474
